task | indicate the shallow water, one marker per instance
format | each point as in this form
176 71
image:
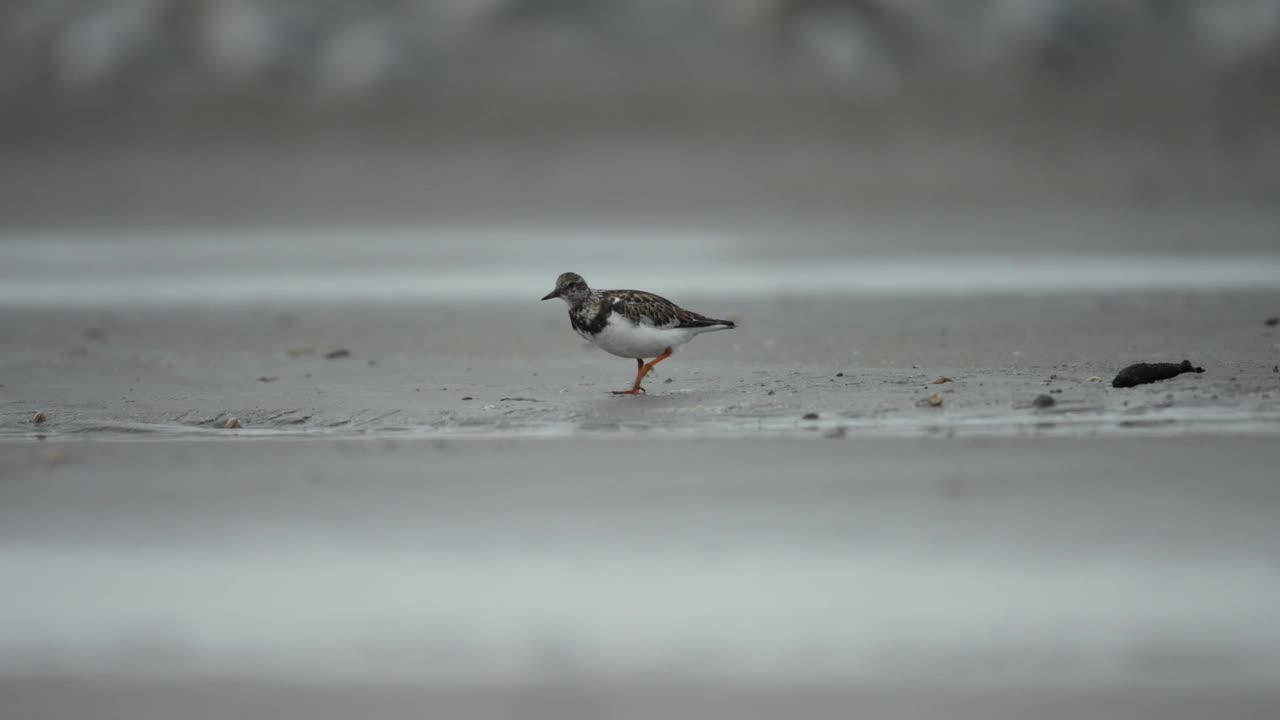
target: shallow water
80 268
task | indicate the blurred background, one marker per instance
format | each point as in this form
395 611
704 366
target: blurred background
212 139
796 117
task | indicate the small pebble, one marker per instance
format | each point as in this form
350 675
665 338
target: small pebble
232 423
1272 321
770 393
336 354
39 418
1093 378
943 379
839 374
1044 401
467 397
810 416
668 381
835 432
268 378
935 400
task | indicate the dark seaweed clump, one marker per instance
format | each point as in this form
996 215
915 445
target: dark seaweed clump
1143 373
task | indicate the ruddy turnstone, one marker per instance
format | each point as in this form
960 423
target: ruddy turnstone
631 323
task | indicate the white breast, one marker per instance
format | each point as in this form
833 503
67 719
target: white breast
620 337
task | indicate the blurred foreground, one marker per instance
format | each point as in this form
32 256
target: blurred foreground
589 576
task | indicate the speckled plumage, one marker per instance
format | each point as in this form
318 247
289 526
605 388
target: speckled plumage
631 323
590 314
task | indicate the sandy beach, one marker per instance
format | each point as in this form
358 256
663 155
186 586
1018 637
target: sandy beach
436 506
904 486
861 363
286 433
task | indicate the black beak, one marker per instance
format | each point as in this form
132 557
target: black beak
552 294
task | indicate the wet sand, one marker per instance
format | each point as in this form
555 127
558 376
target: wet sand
458 518
863 364
455 517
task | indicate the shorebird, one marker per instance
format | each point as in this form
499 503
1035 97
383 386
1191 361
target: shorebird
631 323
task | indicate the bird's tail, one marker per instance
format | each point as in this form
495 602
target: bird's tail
714 325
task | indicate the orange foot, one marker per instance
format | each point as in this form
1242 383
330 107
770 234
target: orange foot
642 369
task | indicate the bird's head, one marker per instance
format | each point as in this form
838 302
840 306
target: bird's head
570 287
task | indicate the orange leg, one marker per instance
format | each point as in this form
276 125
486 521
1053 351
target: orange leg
642 369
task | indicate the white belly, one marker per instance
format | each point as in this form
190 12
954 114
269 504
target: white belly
623 339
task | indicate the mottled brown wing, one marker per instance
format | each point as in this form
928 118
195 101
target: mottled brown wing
639 306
